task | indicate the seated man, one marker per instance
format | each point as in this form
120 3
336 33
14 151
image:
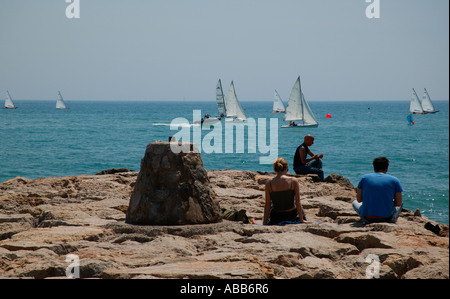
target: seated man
303 165
379 195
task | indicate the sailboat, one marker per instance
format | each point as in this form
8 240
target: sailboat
278 105
8 102
220 99
415 107
233 109
60 104
427 105
298 109
220 107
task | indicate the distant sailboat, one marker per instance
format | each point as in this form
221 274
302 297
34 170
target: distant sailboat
427 105
8 102
415 107
298 109
233 108
220 99
278 105
424 107
220 107
60 104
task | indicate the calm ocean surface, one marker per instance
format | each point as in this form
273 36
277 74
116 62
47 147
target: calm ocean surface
39 141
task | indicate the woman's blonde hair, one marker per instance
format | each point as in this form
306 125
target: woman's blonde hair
280 165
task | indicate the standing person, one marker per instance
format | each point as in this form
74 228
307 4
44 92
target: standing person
379 195
303 165
282 197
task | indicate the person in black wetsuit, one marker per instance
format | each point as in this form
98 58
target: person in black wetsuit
303 165
282 197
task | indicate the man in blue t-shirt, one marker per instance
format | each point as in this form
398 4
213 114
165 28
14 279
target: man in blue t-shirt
379 195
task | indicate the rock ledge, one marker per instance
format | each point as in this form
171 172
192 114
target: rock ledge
44 220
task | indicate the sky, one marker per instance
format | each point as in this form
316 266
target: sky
178 49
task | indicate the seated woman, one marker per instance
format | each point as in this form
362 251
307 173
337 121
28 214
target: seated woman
282 197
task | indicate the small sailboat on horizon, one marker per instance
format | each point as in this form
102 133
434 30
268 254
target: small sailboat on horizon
220 99
421 107
207 119
415 107
60 104
233 109
278 105
9 104
298 109
427 105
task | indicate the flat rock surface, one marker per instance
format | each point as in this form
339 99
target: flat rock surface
43 221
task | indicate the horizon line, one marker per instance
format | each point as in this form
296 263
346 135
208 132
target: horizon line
213 101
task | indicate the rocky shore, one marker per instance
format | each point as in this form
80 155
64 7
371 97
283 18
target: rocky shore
44 221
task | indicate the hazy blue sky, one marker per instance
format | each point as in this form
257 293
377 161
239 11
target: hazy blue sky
174 50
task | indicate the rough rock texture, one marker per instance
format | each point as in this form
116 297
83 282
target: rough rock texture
172 188
44 220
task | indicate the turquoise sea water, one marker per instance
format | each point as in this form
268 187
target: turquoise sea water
39 141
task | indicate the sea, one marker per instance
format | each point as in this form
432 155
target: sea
37 140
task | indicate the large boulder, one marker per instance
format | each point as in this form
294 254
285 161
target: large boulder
172 188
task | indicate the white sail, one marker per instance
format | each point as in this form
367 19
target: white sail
415 106
220 99
427 105
233 108
278 105
60 104
298 109
8 102
294 109
308 115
